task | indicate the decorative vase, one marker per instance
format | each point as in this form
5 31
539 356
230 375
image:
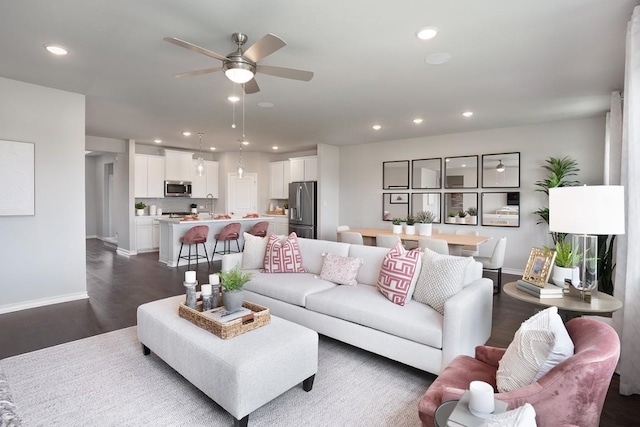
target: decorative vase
409 229
472 219
397 229
559 274
461 220
425 229
139 212
233 299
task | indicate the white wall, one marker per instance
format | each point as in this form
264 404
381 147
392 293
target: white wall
583 140
42 257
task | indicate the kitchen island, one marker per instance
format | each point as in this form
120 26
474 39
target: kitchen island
171 229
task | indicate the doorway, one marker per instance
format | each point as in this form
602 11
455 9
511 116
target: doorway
242 194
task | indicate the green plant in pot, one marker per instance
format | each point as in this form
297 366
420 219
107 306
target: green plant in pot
232 282
397 225
472 211
425 220
564 263
140 208
396 221
410 220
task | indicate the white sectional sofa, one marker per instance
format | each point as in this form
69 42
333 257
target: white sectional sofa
414 334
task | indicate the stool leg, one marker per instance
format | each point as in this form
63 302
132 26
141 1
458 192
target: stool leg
204 245
500 280
237 244
197 257
179 253
214 249
189 260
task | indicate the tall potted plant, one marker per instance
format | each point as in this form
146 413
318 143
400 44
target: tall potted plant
425 222
232 282
410 227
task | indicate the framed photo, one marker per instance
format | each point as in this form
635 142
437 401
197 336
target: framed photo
539 266
399 198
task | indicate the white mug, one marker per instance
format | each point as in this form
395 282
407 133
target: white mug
481 401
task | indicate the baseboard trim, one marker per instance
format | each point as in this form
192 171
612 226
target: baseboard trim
42 302
125 252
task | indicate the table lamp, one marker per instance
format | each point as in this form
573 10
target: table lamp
585 212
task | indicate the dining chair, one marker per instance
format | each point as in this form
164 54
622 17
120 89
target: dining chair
468 250
352 237
495 261
387 240
340 229
437 245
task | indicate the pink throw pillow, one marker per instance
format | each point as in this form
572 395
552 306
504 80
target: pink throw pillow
340 269
283 257
396 273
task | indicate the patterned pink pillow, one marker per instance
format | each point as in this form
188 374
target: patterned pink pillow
397 272
340 269
283 257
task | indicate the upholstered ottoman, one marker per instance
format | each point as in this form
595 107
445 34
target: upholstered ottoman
240 374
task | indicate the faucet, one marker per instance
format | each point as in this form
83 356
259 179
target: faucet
206 203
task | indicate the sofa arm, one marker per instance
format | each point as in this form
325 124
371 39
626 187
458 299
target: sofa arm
229 261
467 320
489 355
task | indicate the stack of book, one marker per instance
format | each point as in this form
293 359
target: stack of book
549 291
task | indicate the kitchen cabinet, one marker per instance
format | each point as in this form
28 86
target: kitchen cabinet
147 234
149 176
178 165
207 183
280 173
279 225
304 168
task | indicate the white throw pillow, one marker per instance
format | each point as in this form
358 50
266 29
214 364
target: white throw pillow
340 269
441 277
538 345
253 252
523 416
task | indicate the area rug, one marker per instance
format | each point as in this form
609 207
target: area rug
106 381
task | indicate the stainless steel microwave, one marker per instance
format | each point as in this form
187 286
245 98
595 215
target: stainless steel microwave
177 189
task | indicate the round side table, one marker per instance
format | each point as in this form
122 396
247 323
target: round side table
443 412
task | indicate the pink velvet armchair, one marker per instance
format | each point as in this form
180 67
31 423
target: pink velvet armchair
573 392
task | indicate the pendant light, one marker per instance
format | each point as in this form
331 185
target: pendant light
200 161
500 167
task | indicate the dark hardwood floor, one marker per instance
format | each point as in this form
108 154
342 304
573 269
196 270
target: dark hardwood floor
117 285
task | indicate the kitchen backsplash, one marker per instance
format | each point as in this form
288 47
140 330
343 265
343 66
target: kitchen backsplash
177 204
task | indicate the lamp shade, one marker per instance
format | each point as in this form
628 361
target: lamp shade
594 209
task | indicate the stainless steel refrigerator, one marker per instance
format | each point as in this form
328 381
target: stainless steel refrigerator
302 209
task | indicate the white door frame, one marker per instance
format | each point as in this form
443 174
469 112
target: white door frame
231 178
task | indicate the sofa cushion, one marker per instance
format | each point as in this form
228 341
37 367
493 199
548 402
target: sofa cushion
441 277
253 252
293 288
366 306
397 272
283 257
312 250
340 269
372 257
538 345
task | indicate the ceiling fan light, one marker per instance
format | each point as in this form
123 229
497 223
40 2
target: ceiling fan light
500 167
238 75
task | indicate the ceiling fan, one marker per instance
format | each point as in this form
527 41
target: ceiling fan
241 67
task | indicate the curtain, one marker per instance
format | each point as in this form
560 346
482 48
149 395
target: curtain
624 162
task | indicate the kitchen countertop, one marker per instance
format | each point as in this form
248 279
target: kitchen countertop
204 219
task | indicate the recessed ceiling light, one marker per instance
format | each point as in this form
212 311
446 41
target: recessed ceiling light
233 98
157 141
464 166
438 58
275 147
427 33
446 160
467 113
186 133
265 104
417 121
56 50
212 148
245 142
376 127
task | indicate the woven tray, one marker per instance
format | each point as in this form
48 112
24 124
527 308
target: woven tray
260 317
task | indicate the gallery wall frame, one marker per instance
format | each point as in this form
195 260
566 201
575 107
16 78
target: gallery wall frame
17 175
398 208
427 202
461 172
395 175
500 209
501 170
426 174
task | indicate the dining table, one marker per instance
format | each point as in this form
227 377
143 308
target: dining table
455 241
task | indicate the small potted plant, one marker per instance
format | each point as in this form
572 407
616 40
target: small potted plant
410 227
563 267
286 208
232 282
140 208
461 217
473 215
425 222
397 225
451 218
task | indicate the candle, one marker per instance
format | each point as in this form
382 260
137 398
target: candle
214 279
481 401
190 277
205 289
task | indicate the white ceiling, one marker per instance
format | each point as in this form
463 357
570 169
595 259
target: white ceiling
513 62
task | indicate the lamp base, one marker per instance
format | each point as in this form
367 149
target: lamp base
586 296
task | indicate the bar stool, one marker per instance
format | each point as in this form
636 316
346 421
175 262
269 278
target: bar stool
196 235
259 229
228 233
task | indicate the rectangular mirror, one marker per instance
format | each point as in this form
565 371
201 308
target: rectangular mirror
501 209
461 172
501 170
395 205
426 202
461 208
395 175
426 173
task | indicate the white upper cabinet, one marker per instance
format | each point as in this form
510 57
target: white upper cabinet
207 183
304 168
178 165
149 176
279 180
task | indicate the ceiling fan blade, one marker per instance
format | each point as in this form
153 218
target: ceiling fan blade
251 87
264 47
198 72
194 48
287 73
